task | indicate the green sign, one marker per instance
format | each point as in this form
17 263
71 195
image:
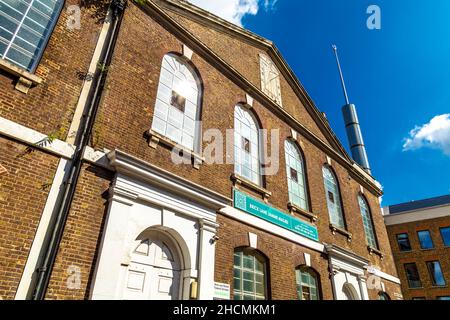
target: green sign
263 211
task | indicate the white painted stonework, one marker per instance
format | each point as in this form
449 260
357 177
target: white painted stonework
156 242
347 274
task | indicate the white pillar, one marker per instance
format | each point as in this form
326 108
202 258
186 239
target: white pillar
111 252
207 251
363 287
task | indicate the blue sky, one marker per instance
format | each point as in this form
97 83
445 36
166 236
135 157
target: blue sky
398 77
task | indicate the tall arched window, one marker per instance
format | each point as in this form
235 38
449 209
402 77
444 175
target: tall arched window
307 283
333 197
296 175
246 145
249 274
367 222
178 102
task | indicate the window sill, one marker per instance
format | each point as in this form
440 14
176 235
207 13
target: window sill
295 209
344 232
238 180
155 138
373 250
26 79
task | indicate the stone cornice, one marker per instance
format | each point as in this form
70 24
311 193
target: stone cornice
132 166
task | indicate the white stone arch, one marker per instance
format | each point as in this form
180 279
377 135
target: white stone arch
350 292
178 247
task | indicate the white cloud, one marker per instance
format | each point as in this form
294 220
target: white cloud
435 134
234 10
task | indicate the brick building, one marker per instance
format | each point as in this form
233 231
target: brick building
260 199
419 232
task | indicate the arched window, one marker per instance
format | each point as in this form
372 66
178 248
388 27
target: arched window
178 102
296 175
333 198
307 283
383 296
246 145
249 274
367 222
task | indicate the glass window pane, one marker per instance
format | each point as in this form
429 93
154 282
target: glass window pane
25 26
249 284
437 277
306 281
403 242
412 275
445 233
425 239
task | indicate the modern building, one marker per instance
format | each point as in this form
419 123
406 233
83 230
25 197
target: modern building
259 201
419 232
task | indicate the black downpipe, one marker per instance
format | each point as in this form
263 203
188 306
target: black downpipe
87 124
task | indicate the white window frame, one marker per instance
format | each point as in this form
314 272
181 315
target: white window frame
241 269
300 284
367 222
335 211
298 190
247 164
35 56
179 126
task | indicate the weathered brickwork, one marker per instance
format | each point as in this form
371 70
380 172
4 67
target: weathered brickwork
220 42
23 193
282 257
49 106
131 115
125 115
82 233
420 257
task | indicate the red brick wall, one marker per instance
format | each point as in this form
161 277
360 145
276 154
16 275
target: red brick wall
244 57
23 193
49 107
421 257
123 118
82 234
283 257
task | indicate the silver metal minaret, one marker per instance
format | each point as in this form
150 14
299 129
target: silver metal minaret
352 126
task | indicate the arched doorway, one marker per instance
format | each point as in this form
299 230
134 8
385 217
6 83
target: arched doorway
349 292
154 271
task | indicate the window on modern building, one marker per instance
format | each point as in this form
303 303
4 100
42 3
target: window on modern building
307 283
383 296
25 26
367 222
249 274
333 198
412 274
445 234
178 101
425 239
436 275
246 145
270 79
295 170
443 298
403 242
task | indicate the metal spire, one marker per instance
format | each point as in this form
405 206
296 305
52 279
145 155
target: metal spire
340 73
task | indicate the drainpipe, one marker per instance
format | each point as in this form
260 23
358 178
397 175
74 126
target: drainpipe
51 249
